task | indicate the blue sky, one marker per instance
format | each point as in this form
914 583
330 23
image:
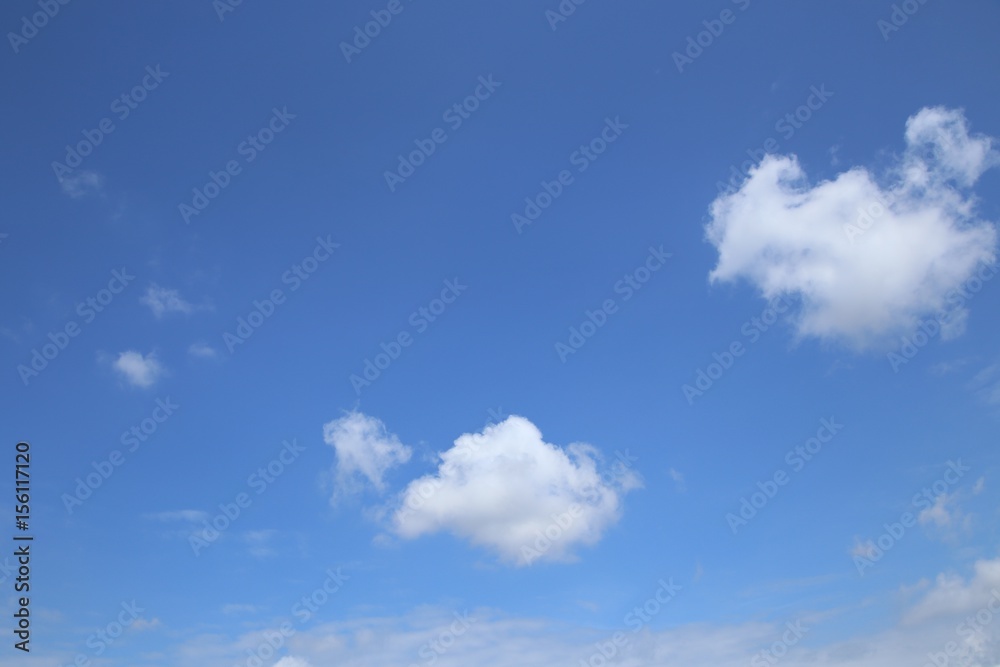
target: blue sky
401 309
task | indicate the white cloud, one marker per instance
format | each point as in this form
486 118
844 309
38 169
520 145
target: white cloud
81 183
864 260
942 513
163 301
202 351
508 490
365 451
952 595
291 662
678 479
138 370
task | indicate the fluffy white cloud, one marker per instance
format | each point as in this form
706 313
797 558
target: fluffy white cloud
163 301
864 259
138 370
365 451
508 490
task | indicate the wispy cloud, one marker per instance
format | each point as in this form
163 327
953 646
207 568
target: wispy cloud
81 183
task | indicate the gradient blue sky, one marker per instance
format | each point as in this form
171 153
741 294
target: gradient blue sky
492 353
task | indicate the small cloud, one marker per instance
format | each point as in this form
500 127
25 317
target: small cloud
259 542
138 370
979 486
506 489
365 451
142 624
240 609
81 183
863 549
678 478
939 513
163 301
203 351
